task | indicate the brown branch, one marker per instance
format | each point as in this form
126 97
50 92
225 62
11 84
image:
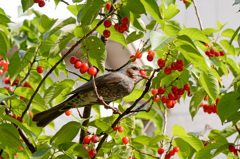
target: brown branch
79 113
238 128
65 2
148 84
165 125
64 56
144 153
115 70
198 15
26 140
76 74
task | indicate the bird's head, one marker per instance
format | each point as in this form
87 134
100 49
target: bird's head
133 72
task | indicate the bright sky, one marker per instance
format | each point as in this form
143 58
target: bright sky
11 8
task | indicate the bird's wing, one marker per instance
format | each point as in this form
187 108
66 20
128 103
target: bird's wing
102 81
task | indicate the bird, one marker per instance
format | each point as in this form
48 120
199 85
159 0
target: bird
110 87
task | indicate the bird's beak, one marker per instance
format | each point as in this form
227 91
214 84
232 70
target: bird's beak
146 77
147 70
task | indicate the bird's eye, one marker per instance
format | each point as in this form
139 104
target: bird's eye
135 68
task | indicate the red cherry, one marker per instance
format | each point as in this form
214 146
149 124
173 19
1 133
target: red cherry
85 147
40 69
122 28
68 112
164 99
108 6
180 63
116 26
41 4
78 64
92 152
176 149
115 128
187 87
86 139
107 23
84 67
212 51
7 80
160 151
171 152
106 33
205 144
22 98
217 100
1 72
207 53
125 140
206 44
73 59
171 96
185 2
154 91
217 54
174 89
174 66
5 68
222 53
140 55
231 148
161 90
120 129
168 156
36 1
8 88
180 91
149 57
92 71
94 139
169 103
125 20
3 63
132 57
157 98
142 72
167 70
161 63
180 69
151 53
236 152
189 94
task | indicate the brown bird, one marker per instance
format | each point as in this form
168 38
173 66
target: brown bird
111 86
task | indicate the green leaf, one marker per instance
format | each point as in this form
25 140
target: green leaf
4 47
56 89
157 139
4 19
151 7
187 137
228 105
74 149
229 131
63 157
142 139
45 23
172 29
18 64
66 134
170 12
151 25
190 52
206 152
39 154
26 4
209 31
96 52
134 36
136 93
76 1
194 33
89 12
210 84
229 47
183 146
159 40
196 101
27 93
67 21
9 140
233 67
136 6
220 25
115 35
137 21
74 9
61 42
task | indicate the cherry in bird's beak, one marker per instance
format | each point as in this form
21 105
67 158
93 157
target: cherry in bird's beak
143 73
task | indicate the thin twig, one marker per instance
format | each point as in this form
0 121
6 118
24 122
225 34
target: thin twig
198 15
238 128
1 152
76 74
26 140
65 2
28 73
165 125
115 70
115 110
64 56
144 153
79 113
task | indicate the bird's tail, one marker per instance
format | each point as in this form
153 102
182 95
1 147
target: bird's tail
44 118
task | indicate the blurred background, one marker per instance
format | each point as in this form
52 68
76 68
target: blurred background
210 11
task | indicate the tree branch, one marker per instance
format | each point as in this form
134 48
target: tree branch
198 15
64 56
26 140
238 128
65 2
77 74
144 153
